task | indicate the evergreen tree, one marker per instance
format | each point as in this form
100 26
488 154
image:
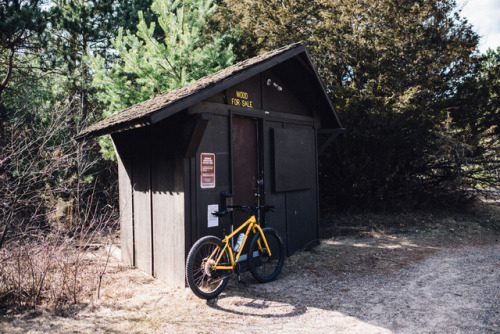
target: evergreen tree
48 80
127 13
490 77
476 115
392 69
21 22
147 66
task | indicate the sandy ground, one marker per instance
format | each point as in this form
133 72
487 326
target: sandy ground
438 280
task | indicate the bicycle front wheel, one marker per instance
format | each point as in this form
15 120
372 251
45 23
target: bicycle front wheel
203 280
265 267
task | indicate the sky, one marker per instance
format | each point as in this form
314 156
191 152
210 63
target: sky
484 15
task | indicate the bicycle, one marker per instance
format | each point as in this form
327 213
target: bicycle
211 261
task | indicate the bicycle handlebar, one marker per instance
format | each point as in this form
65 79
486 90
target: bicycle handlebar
251 208
243 208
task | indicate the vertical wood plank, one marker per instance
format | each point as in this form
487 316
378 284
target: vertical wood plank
124 157
302 204
168 206
190 227
277 217
302 219
215 140
142 203
168 219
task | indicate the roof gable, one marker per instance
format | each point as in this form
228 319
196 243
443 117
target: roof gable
158 108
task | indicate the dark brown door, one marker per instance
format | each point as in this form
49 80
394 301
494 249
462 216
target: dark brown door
245 158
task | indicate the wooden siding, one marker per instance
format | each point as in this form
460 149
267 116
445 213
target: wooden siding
142 202
215 140
167 207
124 156
277 95
277 217
302 209
294 167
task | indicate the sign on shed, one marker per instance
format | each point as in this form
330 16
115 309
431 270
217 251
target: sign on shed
207 170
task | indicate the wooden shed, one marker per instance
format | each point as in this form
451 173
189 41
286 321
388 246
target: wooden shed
250 129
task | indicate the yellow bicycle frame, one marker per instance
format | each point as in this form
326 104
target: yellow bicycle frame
251 225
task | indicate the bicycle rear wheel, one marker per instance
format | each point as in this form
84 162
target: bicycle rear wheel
265 268
205 282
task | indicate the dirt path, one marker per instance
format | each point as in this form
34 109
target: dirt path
432 281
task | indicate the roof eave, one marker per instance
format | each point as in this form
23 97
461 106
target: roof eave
120 127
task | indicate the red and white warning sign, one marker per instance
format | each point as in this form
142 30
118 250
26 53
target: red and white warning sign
207 170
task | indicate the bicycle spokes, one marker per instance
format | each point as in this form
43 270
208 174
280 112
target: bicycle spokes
266 265
203 279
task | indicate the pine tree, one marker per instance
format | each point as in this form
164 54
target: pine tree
21 22
147 66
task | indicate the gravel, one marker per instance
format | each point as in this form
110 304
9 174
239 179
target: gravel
433 281
452 291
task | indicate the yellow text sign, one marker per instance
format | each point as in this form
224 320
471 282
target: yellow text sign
242 100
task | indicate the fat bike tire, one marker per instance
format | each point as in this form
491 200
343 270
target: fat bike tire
265 268
205 282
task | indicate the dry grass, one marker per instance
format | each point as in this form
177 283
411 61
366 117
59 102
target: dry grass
348 283
56 268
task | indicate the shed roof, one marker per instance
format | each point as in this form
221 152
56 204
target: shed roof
160 107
